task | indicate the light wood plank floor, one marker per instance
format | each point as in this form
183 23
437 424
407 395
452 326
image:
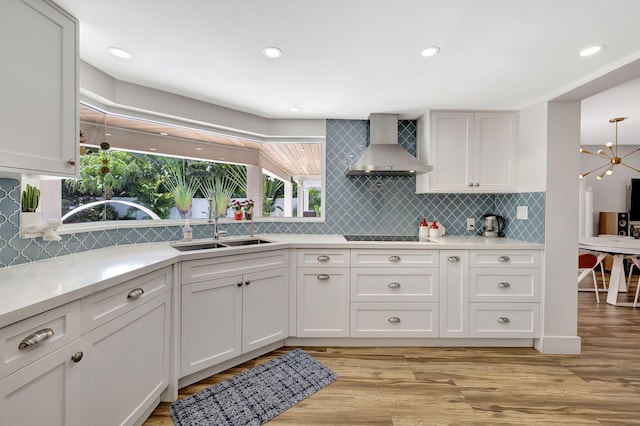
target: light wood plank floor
432 386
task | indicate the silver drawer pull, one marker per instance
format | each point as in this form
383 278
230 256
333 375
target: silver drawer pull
394 320
503 259
35 338
77 357
394 258
323 258
504 285
394 285
453 259
323 277
504 320
136 293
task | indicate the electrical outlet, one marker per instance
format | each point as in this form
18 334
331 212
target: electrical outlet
522 212
471 224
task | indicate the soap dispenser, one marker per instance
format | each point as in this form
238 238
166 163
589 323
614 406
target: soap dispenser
434 231
187 232
423 232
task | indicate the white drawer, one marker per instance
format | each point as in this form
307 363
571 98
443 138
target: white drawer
53 329
108 304
505 258
315 258
389 258
194 271
394 319
504 285
509 320
389 284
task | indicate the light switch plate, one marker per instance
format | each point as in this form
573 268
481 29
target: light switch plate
522 212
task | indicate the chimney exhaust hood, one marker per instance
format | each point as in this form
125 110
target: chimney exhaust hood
384 156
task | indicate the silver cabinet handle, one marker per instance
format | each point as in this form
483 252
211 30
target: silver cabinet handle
453 259
71 161
136 293
247 282
394 320
323 258
323 277
77 356
504 259
239 284
477 184
35 339
470 183
394 285
504 320
394 259
504 285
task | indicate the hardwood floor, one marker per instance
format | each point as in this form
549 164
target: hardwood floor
431 386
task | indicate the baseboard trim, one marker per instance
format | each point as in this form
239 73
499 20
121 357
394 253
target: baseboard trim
559 345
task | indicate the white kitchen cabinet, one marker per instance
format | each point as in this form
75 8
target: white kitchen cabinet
504 293
394 293
47 392
454 293
471 152
322 302
211 325
111 374
38 81
226 313
127 365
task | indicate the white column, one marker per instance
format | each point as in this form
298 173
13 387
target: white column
288 199
300 197
254 188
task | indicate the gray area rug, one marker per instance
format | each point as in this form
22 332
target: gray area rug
257 395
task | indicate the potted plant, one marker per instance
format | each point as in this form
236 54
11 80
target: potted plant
248 209
180 185
237 210
29 204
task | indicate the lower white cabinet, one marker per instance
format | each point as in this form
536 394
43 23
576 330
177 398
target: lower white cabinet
225 317
394 319
323 302
454 293
109 376
504 320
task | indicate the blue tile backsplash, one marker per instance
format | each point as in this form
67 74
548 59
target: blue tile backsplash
360 205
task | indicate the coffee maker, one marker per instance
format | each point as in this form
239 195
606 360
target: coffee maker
493 225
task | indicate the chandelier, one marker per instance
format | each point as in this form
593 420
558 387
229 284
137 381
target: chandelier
612 156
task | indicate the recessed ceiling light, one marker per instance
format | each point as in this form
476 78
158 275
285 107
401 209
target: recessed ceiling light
119 53
591 50
430 51
222 158
198 149
272 52
152 149
294 109
164 134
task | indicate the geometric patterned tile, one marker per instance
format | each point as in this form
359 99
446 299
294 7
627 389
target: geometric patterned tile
359 205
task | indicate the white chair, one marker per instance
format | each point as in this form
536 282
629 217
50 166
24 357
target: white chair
635 261
587 263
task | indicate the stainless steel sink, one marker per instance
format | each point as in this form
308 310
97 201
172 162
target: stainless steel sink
202 246
249 242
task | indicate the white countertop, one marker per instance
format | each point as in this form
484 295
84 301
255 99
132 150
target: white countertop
31 288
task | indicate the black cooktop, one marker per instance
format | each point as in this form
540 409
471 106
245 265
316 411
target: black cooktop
381 237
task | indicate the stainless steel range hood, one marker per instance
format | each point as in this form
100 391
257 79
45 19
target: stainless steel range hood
384 156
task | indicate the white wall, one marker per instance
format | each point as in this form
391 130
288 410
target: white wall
532 148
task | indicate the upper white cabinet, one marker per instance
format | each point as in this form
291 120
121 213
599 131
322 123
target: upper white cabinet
470 152
39 89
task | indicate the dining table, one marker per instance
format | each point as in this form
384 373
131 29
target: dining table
620 248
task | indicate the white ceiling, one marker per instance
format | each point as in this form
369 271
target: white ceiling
347 59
